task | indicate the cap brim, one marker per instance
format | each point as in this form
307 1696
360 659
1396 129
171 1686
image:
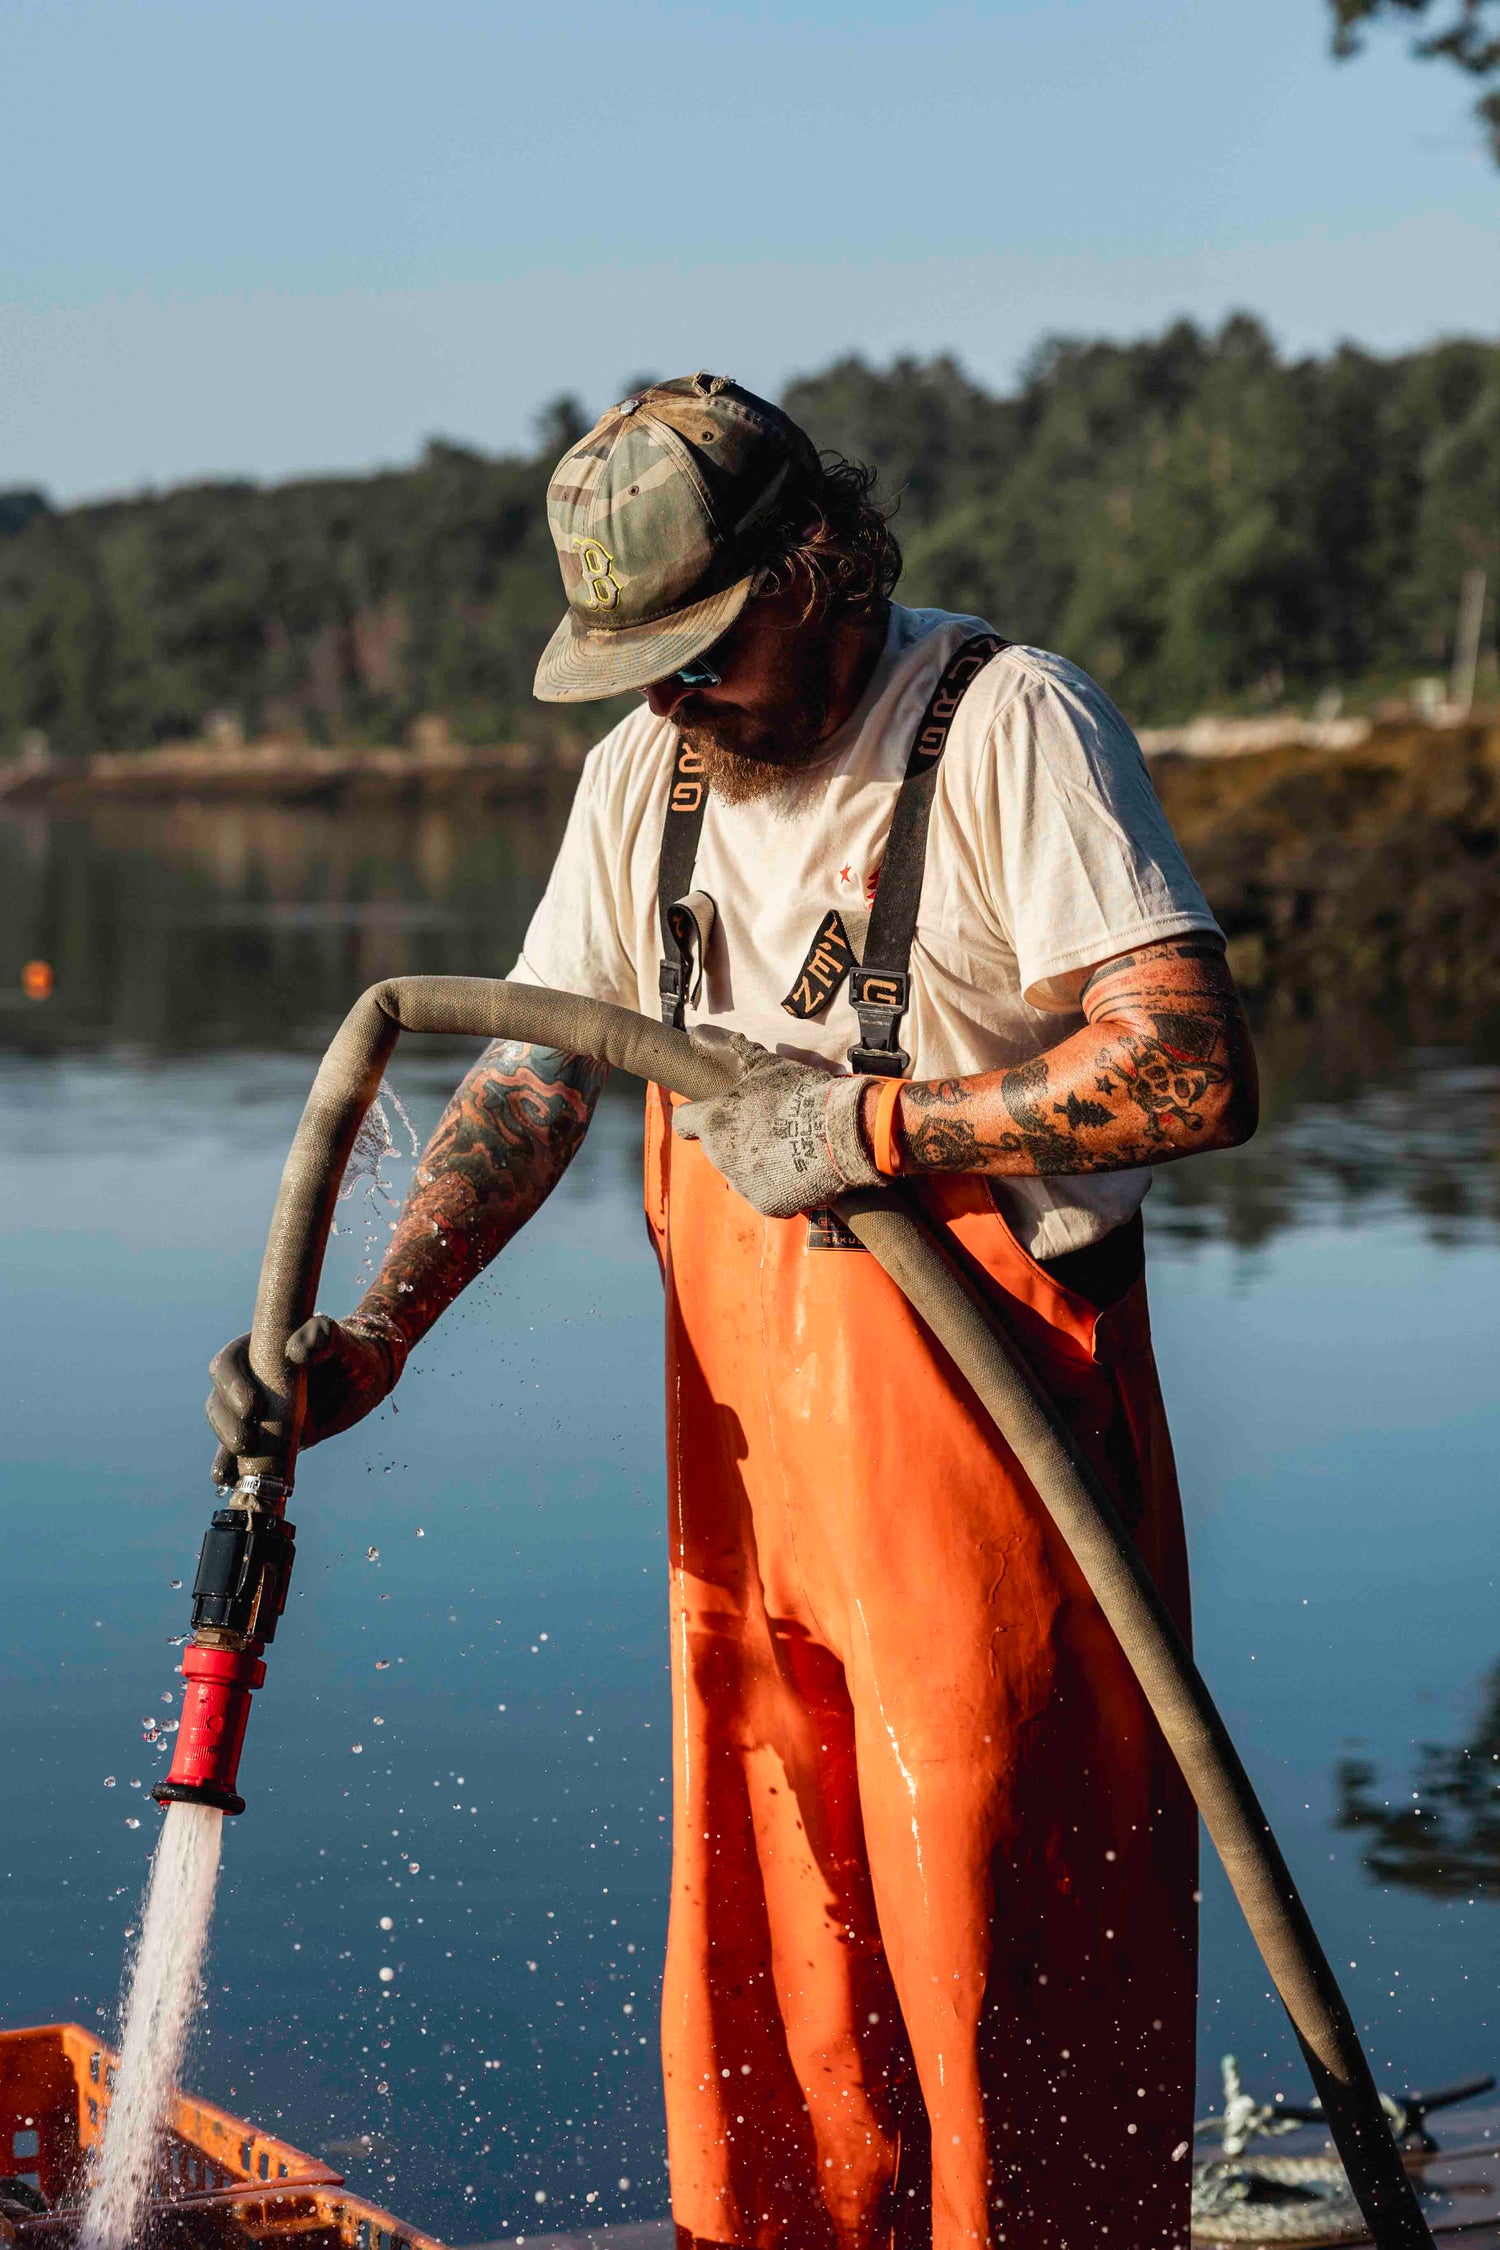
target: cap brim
583 663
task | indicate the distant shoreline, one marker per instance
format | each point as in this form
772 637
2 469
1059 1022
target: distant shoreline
287 773
299 773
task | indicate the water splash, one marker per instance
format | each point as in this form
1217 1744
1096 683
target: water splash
164 1982
374 1145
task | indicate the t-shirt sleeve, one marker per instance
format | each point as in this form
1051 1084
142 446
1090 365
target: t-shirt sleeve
576 940
1080 860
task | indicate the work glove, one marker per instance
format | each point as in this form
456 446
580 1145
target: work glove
787 1138
351 1365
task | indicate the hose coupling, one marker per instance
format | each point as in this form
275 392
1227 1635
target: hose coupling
244 1569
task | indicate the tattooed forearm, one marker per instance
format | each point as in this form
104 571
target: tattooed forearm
501 1146
1163 1067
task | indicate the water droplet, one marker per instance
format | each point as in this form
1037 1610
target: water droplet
131 1821
386 1923
387 1976
414 1867
372 1554
382 1663
357 1749
421 1534
175 1584
109 1781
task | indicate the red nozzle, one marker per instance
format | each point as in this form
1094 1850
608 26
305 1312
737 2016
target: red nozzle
215 1708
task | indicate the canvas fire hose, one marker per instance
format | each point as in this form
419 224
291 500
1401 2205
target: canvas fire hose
247 1554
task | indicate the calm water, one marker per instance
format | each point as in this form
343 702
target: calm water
465 1726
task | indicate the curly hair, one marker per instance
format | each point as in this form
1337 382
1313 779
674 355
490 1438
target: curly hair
834 537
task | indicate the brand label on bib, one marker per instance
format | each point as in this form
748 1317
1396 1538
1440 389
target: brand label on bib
830 957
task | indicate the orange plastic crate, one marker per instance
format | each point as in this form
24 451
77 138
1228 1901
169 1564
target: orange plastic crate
221 2180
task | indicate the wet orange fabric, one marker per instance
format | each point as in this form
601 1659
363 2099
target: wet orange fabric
931 1960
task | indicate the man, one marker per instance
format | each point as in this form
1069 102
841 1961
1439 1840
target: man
930 1971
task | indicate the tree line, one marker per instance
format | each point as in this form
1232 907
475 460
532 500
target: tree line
1198 520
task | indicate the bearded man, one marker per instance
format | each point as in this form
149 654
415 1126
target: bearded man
930 1970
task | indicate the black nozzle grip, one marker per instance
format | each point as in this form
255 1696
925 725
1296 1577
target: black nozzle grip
244 1569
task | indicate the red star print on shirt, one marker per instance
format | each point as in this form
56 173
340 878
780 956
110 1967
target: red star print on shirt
846 875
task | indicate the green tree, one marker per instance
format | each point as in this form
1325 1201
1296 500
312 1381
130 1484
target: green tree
1190 516
1467 38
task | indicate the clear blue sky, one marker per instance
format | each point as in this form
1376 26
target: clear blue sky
253 236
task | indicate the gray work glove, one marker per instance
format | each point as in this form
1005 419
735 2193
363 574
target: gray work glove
787 1138
351 1365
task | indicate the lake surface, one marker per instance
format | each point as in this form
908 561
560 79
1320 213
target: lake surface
465 1726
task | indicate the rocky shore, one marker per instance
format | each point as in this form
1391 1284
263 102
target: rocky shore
1372 873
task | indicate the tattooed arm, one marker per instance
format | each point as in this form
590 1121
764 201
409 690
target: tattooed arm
1164 1067
501 1146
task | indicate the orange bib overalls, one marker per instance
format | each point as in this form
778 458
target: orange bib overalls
931 1960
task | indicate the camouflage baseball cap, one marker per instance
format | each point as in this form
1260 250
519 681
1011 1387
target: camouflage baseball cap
662 517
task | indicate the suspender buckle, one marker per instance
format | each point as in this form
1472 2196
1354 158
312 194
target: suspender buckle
671 983
880 998
879 1062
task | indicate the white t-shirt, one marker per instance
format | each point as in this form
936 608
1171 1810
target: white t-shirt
1047 853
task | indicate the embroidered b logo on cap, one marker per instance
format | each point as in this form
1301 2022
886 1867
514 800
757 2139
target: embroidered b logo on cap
597 564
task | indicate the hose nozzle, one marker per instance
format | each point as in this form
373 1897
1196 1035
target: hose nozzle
239 1593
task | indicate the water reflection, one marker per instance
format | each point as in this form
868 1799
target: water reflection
190 926
232 927
1323 1304
1415 1132
1444 1839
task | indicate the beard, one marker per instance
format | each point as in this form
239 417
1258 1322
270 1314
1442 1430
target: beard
764 755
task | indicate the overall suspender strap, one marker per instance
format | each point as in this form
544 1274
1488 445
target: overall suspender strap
880 988
686 801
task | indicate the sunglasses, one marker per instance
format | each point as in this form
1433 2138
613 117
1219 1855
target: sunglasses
699 674
704 671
